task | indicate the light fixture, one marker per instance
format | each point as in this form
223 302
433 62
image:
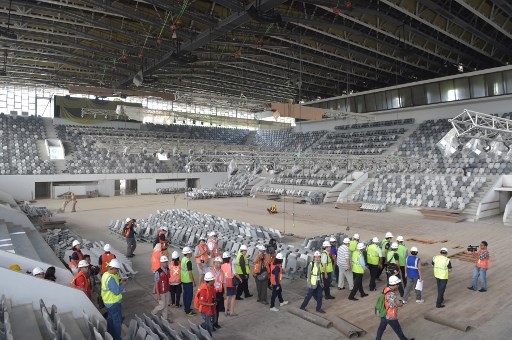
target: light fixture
449 143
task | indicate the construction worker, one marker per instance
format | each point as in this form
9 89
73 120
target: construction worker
413 272
384 247
81 279
374 259
243 271
219 290
213 247
161 287
38 272
155 257
353 243
273 209
358 266
334 252
129 233
75 257
392 303
162 239
175 279
314 281
229 285
73 202
206 296
261 273
105 258
187 281
403 252
112 287
442 266
202 256
327 267
483 259
343 260
393 265
276 276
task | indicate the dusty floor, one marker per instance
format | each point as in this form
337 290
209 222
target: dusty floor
488 313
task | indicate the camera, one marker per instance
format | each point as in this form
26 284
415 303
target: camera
269 249
472 249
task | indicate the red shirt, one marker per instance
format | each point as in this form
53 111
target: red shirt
207 294
82 282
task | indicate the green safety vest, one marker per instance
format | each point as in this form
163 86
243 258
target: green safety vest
356 265
185 275
107 295
441 267
315 274
401 251
372 252
328 268
391 259
352 245
238 269
383 247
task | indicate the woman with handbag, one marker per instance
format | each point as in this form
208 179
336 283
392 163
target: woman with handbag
260 273
230 279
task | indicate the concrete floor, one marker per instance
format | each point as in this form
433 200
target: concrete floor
488 313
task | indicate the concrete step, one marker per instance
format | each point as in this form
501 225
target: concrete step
72 326
60 165
21 242
5 238
49 128
41 150
24 323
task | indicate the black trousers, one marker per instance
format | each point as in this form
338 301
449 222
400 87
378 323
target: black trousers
441 287
219 308
175 291
327 285
404 279
243 287
336 273
358 285
374 272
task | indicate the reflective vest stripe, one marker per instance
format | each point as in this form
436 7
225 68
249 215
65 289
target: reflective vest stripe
204 257
316 273
218 279
356 264
174 273
441 267
415 264
185 275
238 269
107 295
105 261
228 274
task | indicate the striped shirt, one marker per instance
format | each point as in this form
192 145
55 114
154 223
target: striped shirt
343 257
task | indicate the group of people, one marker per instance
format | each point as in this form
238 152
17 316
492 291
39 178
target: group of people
48 274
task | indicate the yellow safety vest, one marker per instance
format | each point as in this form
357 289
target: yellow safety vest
328 268
383 247
185 275
107 295
356 265
352 245
316 274
441 267
238 269
401 251
373 254
391 258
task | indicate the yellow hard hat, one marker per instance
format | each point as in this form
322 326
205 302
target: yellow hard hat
15 267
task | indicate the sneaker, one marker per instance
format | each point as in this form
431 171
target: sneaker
420 301
321 311
284 303
404 302
339 288
471 288
191 313
274 309
482 290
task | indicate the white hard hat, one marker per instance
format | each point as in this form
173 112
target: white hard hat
414 249
83 264
279 256
394 245
317 253
75 243
261 247
213 233
107 247
356 236
128 219
346 240
165 228
400 238
332 239
175 255
209 276
114 263
444 250
187 250
243 247
388 234
326 244
360 246
218 259
226 255
375 239
393 280
164 259
37 271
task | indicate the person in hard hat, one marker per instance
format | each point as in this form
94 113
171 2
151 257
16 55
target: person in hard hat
358 267
206 296
483 259
261 272
219 289
76 256
343 260
16 267
243 271
105 258
213 247
393 265
38 272
187 281
314 282
374 259
403 252
175 279
327 269
334 254
273 209
276 276
81 279
155 257
49 274
385 244
73 200
129 233
442 266
162 239
161 287
229 285
112 287
413 272
392 303
202 255
93 271
353 243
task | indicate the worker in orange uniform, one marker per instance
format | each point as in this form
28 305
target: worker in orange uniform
105 258
229 286
483 259
162 239
219 289
155 257
161 288
81 279
175 279
202 254
75 257
206 296
276 276
261 273
213 247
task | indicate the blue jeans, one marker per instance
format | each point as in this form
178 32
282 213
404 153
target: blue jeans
482 273
276 293
114 320
207 324
441 287
394 325
188 294
315 293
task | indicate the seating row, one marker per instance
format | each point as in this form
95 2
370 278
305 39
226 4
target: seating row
375 124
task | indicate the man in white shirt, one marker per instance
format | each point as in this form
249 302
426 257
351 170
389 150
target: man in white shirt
343 261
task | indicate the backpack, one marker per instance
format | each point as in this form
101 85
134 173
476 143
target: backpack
196 298
380 307
393 269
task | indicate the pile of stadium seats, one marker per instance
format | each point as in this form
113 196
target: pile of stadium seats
237 181
309 196
199 194
228 136
286 140
385 123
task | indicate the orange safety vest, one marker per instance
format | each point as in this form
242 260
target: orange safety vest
105 261
390 312
155 260
163 281
256 270
175 273
272 276
227 270
87 288
483 263
204 257
208 310
162 243
219 279
215 251
73 263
